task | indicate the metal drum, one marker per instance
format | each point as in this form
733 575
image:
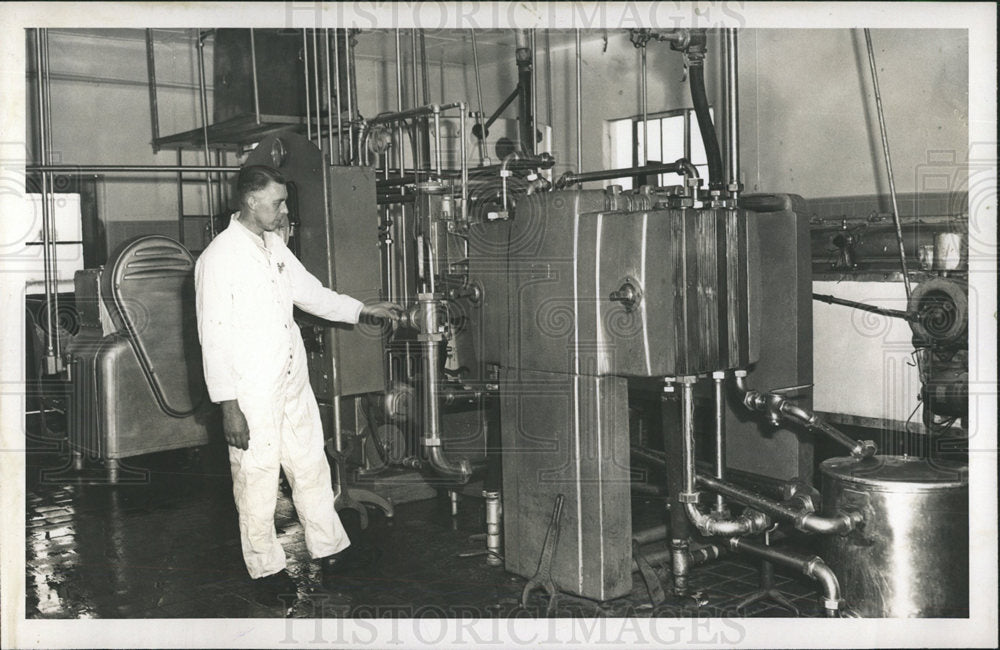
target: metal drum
911 556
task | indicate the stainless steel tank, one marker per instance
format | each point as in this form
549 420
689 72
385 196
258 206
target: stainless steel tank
911 556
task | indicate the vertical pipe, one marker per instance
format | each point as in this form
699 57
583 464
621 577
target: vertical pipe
548 77
579 104
645 123
154 109
399 107
180 196
329 96
423 70
305 73
50 199
465 169
733 112
720 435
420 157
316 93
687 431
46 213
888 162
350 94
525 118
256 84
534 90
680 527
437 143
493 514
479 95
203 93
336 82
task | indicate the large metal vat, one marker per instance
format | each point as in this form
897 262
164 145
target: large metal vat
911 556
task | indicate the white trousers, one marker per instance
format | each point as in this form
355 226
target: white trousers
285 432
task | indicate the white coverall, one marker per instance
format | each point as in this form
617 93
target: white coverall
252 352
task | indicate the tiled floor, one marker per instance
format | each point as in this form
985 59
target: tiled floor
164 544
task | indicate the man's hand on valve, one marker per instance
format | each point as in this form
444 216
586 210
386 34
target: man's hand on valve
389 311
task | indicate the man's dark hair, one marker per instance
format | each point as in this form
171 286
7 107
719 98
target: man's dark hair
255 178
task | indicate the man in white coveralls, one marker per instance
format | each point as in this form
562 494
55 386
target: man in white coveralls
247 283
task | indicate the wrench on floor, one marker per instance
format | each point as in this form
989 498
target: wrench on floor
543 576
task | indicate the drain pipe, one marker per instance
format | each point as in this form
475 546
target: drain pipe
714 524
778 408
430 327
811 566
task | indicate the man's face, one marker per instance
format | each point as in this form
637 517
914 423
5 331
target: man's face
267 207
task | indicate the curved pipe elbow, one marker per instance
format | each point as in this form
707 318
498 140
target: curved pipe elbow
749 523
839 524
687 168
819 571
460 471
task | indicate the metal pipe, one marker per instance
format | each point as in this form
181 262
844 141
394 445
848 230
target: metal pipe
180 198
687 433
888 162
50 357
681 166
203 93
504 173
465 167
645 124
126 169
733 112
50 200
719 378
779 408
579 102
807 521
329 95
534 92
256 84
154 109
336 83
399 107
419 128
695 556
884 311
414 112
317 91
437 143
811 566
712 524
526 135
349 62
305 73
479 94
432 419
494 514
674 461
423 69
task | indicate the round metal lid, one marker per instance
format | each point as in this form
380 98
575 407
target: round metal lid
898 472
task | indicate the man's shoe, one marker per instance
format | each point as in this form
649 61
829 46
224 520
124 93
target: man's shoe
275 589
352 561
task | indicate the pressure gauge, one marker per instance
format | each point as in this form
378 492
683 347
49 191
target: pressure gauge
278 153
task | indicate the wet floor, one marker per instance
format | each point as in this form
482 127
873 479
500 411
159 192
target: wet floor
164 543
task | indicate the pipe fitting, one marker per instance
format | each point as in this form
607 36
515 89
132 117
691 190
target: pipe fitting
750 522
